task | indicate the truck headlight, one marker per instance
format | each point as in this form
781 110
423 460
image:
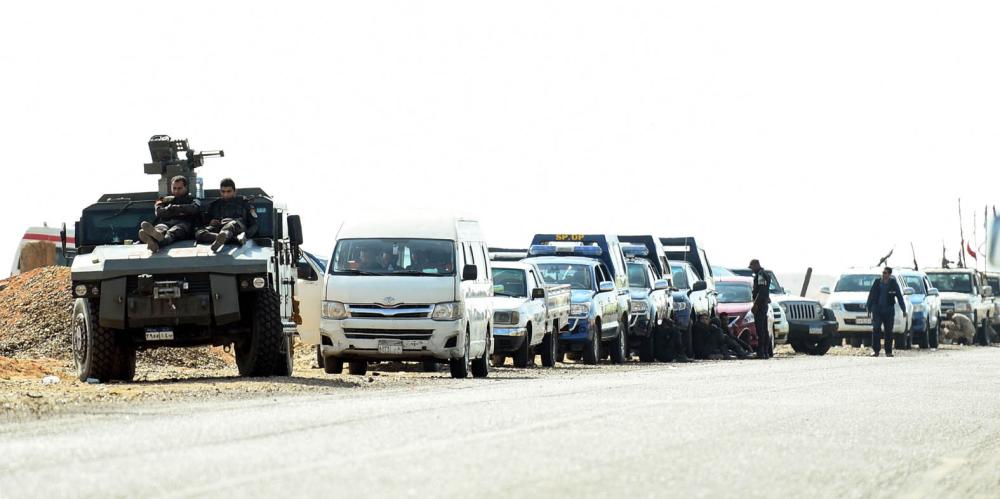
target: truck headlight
919 307
579 309
748 318
450 311
334 310
963 306
80 290
506 317
639 307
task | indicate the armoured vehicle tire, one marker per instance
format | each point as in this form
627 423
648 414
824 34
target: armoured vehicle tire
619 346
260 354
550 349
428 366
592 350
357 367
283 365
481 364
124 363
523 356
818 348
94 348
333 365
460 367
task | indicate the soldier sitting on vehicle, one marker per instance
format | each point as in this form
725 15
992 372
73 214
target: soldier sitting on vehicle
229 216
175 217
958 328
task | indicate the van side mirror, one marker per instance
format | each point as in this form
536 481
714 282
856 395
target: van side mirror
825 290
660 284
987 291
537 293
933 292
699 286
470 273
295 230
606 286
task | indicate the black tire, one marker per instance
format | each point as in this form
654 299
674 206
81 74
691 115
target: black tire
798 346
819 348
499 359
460 367
984 335
333 365
429 366
866 340
619 345
125 363
855 341
94 349
923 339
264 352
592 351
934 336
550 347
481 364
523 356
319 357
357 367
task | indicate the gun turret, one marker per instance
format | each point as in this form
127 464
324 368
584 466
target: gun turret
168 161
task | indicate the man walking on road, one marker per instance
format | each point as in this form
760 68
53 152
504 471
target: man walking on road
761 302
882 299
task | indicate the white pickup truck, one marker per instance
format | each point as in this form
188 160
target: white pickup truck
965 292
527 314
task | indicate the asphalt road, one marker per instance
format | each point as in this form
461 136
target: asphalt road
923 424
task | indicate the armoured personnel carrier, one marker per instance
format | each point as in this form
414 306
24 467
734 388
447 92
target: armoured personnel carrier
128 298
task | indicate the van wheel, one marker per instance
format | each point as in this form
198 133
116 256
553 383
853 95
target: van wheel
619 346
481 364
357 367
94 349
460 366
333 365
592 351
261 354
523 357
550 347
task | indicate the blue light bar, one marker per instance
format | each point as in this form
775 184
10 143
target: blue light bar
588 250
541 250
635 250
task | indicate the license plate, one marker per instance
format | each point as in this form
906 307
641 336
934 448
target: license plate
863 321
390 347
817 330
159 334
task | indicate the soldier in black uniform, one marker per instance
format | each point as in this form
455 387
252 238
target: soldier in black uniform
668 343
175 217
881 305
761 302
228 217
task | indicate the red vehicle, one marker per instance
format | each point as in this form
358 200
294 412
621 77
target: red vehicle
736 300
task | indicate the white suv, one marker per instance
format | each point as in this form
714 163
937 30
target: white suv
849 299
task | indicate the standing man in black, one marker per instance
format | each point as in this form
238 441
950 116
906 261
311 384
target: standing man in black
761 302
882 299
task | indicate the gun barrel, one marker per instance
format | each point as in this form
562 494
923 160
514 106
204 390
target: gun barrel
208 154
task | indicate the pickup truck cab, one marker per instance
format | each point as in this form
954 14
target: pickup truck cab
679 302
926 308
849 298
527 314
692 261
965 292
409 289
595 269
651 301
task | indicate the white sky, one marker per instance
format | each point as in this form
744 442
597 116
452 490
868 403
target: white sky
800 133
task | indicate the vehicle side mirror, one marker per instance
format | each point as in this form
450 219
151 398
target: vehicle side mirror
306 272
660 284
295 230
987 291
699 286
933 292
907 291
537 293
825 290
606 286
470 273
498 288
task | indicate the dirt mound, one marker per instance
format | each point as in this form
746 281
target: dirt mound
27 369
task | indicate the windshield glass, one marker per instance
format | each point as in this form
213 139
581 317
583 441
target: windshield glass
637 276
576 275
718 271
915 282
994 282
680 277
734 292
951 283
430 257
509 282
855 282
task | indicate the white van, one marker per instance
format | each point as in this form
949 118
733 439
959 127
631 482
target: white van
409 289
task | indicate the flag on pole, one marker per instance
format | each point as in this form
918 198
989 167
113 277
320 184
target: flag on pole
968 248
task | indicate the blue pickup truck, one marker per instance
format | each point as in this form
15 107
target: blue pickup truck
594 267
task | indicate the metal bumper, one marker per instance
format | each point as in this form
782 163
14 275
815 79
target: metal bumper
576 330
420 338
508 339
813 330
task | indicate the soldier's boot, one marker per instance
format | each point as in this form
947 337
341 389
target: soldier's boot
150 230
221 239
151 243
206 236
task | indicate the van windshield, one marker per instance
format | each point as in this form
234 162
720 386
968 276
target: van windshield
576 275
419 257
951 283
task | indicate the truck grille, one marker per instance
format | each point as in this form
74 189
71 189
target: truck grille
388 334
804 311
376 311
855 307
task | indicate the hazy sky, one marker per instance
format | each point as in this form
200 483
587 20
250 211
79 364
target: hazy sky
800 133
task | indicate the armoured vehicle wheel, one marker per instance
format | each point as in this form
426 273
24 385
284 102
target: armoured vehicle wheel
286 362
619 346
481 364
261 354
523 355
94 349
357 367
333 365
550 347
592 351
124 363
460 367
